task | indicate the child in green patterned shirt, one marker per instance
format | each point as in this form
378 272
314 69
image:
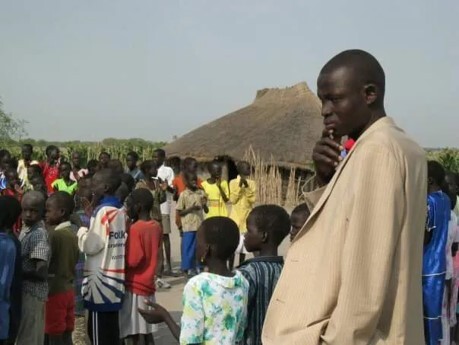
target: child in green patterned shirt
214 302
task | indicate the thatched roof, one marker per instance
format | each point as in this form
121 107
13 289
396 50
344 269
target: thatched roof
282 123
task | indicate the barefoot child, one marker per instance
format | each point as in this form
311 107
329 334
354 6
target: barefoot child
267 226
104 245
214 302
35 258
191 206
300 215
60 306
65 183
142 250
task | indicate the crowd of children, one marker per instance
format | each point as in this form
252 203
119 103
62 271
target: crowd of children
89 242
95 241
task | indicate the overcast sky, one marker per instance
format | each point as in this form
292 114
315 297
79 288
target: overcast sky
89 70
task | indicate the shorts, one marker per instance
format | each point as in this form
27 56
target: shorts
130 320
60 313
241 248
166 223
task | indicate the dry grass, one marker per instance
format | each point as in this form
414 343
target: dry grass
270 184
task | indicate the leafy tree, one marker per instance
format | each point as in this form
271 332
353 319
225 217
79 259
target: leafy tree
10 128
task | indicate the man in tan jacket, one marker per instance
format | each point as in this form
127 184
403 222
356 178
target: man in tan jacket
353 273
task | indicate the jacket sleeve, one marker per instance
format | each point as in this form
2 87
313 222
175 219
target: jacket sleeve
92 241
312 197
375 222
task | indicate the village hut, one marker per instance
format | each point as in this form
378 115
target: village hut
276 133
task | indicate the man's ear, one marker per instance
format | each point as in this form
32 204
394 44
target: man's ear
371 93
265 237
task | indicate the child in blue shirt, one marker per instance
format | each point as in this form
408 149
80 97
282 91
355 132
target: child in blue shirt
9 213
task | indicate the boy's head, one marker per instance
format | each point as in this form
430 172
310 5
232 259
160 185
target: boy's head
76 159
83 195
300 215
116 166
38 184
10 210
191 180
12 178
104 157
27 152
105 183
215 170
129 181
190 164
59 207
52 152
159 156
140 201
436 175
93 167
5 155
149 169
33 207
217 238
34 170
267 226
453 182
131 160
64 170
243 168
10 164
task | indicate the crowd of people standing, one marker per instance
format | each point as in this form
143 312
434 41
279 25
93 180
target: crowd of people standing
97 239
373 256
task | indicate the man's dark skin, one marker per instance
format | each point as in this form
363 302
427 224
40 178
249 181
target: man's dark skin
350 106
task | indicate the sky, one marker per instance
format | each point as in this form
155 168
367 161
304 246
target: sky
88 70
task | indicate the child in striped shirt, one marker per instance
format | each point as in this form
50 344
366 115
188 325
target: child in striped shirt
267 226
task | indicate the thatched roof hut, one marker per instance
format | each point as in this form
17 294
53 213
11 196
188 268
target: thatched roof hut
282 124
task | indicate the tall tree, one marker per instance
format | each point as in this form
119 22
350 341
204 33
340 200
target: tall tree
10 128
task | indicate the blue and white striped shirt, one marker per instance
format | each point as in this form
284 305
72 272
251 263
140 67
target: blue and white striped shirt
262 273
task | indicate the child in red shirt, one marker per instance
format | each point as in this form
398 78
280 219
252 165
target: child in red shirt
142 251
51 167
13 188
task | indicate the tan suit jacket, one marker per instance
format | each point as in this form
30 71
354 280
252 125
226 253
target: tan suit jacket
353 273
